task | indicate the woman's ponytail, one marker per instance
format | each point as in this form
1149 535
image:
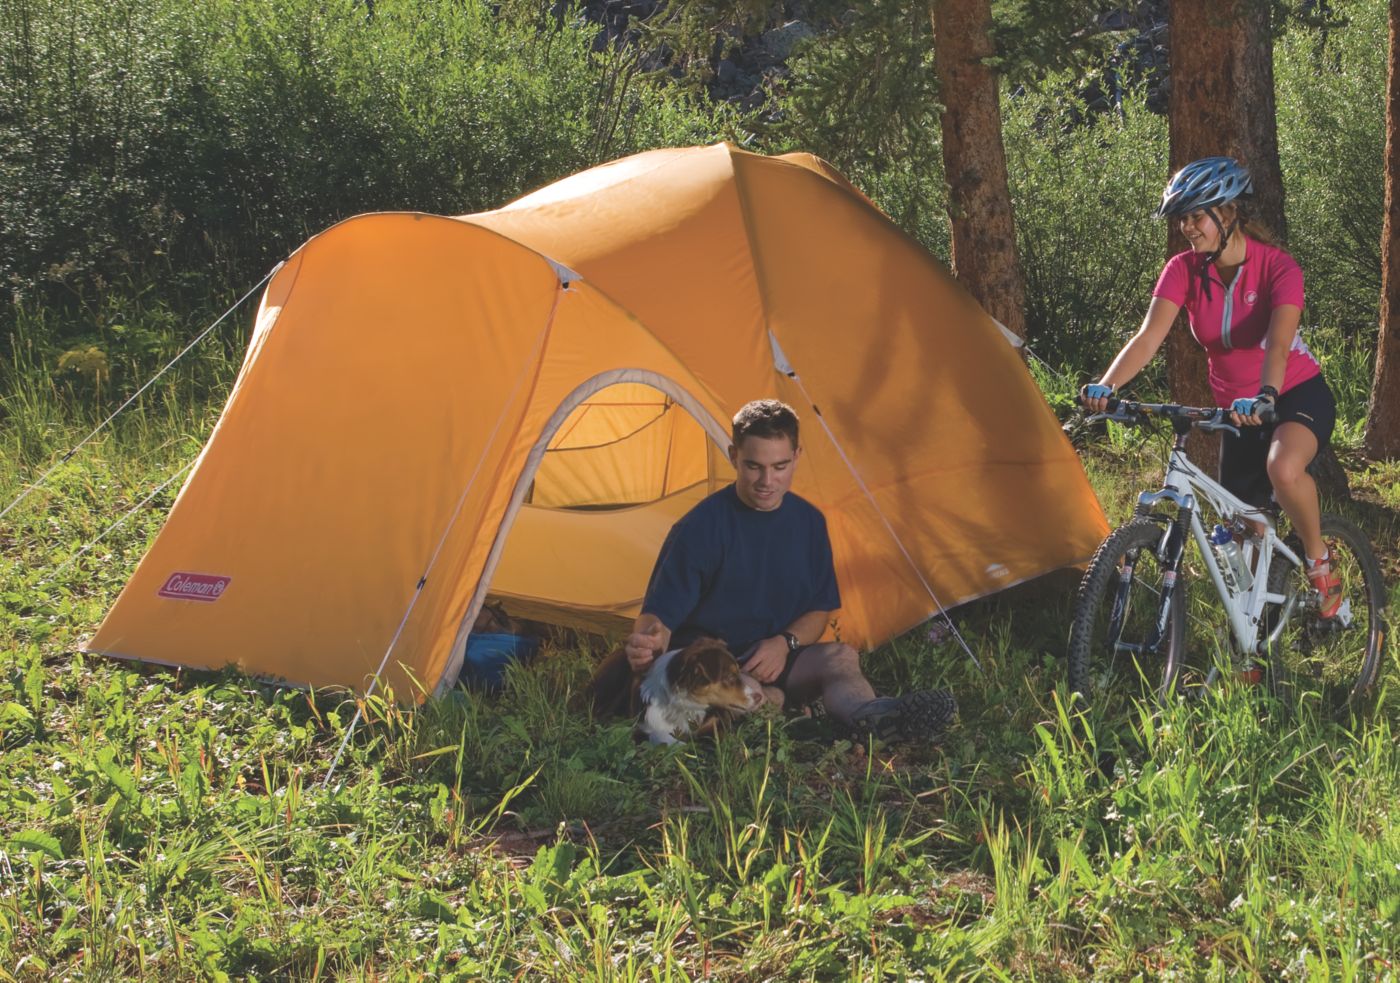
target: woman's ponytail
1256 229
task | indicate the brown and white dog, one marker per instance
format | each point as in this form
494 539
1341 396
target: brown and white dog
684 693
689 690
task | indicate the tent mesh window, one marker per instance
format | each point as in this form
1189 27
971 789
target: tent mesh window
622 468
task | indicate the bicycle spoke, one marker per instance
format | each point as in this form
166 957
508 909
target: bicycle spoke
1118 644
1336 658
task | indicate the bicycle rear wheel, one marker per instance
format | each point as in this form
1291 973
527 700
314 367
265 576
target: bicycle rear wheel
1340 657
1116 616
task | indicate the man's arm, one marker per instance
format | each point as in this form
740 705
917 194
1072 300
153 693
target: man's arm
809 627
673 592
770 656
649 639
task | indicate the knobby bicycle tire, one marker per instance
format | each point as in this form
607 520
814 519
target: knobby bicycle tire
1095 663
1339 661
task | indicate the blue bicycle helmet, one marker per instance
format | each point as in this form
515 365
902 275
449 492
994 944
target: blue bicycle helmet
1204 183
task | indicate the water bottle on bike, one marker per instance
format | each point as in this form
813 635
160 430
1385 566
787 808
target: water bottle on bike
1233 566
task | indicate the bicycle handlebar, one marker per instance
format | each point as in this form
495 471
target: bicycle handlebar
1201 417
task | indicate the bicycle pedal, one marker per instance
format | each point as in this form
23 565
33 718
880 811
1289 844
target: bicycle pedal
1335 625
1343 616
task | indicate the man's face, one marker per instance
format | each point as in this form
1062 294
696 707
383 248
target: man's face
764 467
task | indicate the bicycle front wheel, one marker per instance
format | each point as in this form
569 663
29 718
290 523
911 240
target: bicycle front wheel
1339 657
1122 641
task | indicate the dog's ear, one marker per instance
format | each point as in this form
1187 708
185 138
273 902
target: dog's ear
692 668
701 663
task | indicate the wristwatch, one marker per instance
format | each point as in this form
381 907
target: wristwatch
793 643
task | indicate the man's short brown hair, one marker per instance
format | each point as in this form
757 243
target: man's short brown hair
766 418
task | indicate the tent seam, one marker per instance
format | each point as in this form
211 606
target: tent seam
616 440
759 276
474 603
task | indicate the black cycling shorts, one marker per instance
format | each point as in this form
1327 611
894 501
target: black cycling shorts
1244 459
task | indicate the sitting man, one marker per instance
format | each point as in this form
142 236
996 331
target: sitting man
751 564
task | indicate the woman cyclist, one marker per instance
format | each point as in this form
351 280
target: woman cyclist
1244 298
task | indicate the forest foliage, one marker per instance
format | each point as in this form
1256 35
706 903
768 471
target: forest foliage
158 157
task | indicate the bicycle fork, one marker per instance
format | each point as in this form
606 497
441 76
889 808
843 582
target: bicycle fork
1173 545
1169 557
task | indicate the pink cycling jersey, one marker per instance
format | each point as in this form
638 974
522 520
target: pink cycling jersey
1232 323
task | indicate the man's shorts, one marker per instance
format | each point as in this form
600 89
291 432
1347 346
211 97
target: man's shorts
1244 459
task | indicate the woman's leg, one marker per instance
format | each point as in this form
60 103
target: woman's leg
1292 450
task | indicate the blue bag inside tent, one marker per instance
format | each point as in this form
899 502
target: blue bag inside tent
488 654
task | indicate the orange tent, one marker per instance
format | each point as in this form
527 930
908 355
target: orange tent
520 403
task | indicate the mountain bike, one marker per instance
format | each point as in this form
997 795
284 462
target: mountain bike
1131 612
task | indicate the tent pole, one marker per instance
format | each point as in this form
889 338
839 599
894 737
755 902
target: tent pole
437 550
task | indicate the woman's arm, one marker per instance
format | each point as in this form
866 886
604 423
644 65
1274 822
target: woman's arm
1161 313
1283 328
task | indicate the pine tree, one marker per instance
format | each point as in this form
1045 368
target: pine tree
1383 418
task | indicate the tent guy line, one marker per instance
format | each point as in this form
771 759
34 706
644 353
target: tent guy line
35 486
781 363
114 526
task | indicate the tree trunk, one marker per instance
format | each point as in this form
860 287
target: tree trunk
1222 103
1383 418
974 158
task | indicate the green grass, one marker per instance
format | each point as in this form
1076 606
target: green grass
167 825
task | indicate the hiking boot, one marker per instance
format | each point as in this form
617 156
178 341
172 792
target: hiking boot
1327 584
922 715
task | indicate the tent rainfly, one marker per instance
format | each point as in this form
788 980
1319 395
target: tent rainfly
519 403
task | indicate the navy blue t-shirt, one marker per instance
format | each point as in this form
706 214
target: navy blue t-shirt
740 574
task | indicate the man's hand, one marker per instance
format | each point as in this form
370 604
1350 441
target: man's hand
768 659
647 641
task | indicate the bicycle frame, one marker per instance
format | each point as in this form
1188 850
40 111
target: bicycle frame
1186 484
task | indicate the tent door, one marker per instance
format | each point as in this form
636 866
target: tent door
613 509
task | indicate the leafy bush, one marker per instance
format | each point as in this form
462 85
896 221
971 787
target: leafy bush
143 137
1083 190
1331 134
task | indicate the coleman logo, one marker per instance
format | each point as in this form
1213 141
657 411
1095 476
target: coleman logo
195 587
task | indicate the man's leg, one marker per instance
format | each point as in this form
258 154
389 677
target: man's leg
830 670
